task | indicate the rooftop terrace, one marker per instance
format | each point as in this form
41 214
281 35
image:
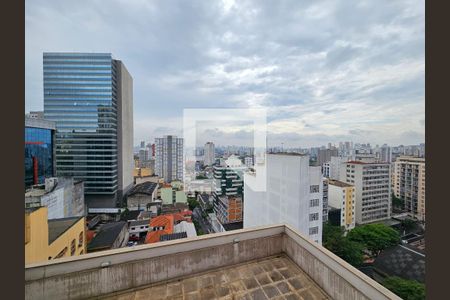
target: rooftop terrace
255 263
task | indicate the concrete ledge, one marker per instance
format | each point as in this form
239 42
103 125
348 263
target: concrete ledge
107 272
335 276
84 277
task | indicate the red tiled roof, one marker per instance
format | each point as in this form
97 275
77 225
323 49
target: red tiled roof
165 221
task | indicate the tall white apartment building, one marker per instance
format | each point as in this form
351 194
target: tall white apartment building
293 195
409 184
341 196
335 165
169 158
209 156
386 153
372 183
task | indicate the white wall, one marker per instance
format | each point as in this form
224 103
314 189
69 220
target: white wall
288 196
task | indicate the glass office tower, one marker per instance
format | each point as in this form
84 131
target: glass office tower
89 96
39 156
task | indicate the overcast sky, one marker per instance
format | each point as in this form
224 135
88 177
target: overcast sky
327 71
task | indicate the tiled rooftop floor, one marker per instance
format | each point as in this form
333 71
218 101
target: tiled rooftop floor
270 278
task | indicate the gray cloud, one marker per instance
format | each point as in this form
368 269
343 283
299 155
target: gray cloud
336 66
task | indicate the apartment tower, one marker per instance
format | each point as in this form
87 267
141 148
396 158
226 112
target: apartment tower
409 184
169 158
372 183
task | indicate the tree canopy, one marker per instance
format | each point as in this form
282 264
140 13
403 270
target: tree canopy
375 237
335 241
406 289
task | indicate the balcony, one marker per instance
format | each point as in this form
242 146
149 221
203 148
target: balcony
253 263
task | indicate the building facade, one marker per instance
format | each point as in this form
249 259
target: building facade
409 184
248 161
210 155
39 149
63 197
341 196
325 200
169 158
90 97
294 195
324 155
50 239
228 192
372 183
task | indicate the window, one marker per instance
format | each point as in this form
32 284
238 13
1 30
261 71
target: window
314 230
80 239
314 217
62 253
314 188
72 247
313 202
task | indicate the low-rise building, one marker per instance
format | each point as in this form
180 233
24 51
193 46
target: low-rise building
110 236
50 239
160 225
341 196
138 228
173 193
63 196
186 227
141 195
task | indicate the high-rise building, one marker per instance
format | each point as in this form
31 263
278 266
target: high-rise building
169 158
209 156
228 192
409 184
90 97
325 200
372 183
341 196
324 155
385 153
39 149
335 166
294 195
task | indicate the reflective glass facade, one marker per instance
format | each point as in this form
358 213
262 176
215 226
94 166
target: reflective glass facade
38 155
80 95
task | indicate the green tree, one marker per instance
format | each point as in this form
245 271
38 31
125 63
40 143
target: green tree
192 202
406 289
397 202
408 224
375 237
335 241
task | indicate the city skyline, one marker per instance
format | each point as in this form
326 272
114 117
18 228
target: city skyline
324 75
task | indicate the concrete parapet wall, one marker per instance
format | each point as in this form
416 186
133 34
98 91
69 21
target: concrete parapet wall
111 271
336 277
85 277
